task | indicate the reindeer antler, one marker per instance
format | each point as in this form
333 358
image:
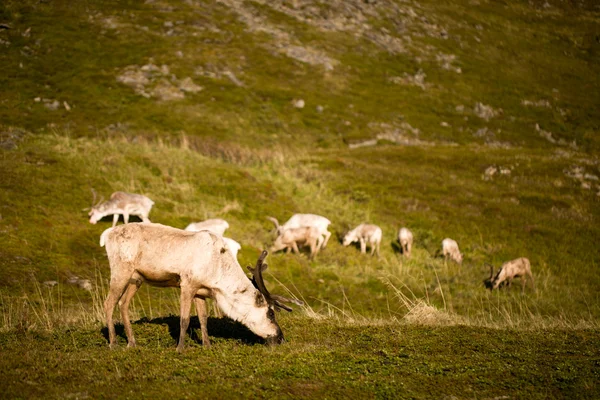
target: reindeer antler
257 280
94 204
491 269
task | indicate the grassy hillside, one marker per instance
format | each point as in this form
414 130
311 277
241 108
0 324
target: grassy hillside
321 360
475 120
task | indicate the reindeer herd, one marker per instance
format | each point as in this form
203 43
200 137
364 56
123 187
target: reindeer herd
202 262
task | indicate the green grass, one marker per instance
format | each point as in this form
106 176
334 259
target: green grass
324 359
373 327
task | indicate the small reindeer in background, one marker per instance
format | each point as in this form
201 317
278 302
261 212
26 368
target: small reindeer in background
405 238
305 220
121 203
290 238
518 268
365 234
450 250
217 226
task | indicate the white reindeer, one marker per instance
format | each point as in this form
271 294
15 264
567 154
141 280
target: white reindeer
450 249
217 226
405 238
365 234
121 203
517 268
304 220
232 245
290 238
198 263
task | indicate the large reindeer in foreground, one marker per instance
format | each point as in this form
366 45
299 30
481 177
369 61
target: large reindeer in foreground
365 234
305 220
121 203
198 263
518 268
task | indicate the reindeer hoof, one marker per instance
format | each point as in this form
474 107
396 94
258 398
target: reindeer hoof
131 344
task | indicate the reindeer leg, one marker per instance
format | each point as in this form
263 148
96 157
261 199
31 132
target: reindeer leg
216 309
363 246
132 288
125 217
187 295
202 312
319 243
295 247
313 248
327 236
115 292
115 219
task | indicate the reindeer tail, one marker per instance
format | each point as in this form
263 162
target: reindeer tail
104 236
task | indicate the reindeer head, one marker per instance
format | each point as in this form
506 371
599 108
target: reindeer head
94 214
495 281
278 228
262 321
349 237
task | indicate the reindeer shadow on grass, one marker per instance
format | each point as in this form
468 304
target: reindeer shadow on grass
396 248
223 328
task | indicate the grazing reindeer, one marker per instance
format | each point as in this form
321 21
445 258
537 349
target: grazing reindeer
304 220
518 268
121 203
217 226
290 238
232 245
365 234
198 263
450 249
405 238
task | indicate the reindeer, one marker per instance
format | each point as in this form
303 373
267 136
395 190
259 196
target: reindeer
217 226
365 234
405 238
518 268
304 220
232 245
290 238
196 262
121 203
450 249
